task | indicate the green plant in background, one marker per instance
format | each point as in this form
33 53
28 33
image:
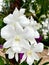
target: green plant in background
4 61
41 7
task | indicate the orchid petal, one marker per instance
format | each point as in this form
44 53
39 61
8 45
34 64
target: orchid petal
8 19
7 44
39 47
24 44
10 53
36 57
16 57
30 60
7 32
24 21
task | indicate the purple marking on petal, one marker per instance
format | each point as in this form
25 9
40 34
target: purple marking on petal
1 46
38 39
21 55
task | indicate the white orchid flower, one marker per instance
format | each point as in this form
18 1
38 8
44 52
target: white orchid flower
12 54
30 34
15 42
14 37
31 54
34 24
17 16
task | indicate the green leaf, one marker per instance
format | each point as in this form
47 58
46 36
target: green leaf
1 61
24 63
44 4
2 41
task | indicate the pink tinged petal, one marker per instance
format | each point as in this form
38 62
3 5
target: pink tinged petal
23 58
10 53
16 57
39 47
7 44
36 34
30 60
7 32
8 19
